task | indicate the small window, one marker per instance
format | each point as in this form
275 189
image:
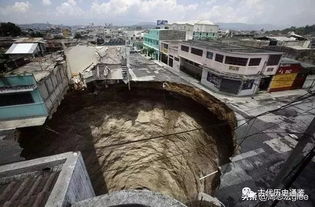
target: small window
248 84
236 60
274 59
269 69
209 55
176 59
219 58
196 51
254 61
165 46
16 99
184 48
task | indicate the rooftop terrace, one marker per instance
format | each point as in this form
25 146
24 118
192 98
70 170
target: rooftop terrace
40 67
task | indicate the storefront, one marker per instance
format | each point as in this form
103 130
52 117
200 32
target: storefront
237 85
287 76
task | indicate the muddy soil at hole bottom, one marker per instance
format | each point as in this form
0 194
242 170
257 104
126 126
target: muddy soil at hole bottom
96 125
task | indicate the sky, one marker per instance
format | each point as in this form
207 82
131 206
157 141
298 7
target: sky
126 12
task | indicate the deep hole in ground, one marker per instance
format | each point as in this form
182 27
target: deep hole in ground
97 124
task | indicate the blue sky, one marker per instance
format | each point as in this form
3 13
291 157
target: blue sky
124 12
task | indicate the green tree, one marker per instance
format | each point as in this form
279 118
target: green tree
77 36
9 29
36 34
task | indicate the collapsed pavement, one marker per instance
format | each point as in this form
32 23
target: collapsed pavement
107 128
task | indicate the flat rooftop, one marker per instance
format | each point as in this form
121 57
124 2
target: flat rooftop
286 60
227 47
40 67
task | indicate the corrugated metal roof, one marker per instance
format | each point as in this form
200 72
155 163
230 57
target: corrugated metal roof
22 48
29 189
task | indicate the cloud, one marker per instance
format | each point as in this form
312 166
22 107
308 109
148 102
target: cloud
21 6
46 2
142 9
69 8
290 12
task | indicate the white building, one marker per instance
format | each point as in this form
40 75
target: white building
27 47
197 30
169 53
227 68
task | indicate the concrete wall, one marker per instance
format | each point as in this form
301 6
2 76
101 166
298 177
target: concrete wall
131 198
73 183
54 87
188 28
172 35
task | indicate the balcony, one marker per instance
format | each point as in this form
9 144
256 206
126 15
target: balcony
23 111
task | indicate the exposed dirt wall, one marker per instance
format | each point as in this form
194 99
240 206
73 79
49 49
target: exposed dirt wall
106 127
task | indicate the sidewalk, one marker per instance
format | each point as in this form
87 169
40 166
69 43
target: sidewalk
245 106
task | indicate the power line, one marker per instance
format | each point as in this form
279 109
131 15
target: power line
245 137
300 98
188 151
166 135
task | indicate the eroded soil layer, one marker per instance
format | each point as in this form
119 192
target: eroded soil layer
106 127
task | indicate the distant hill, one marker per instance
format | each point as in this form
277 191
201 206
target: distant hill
307 30
146 23
39 26
248 27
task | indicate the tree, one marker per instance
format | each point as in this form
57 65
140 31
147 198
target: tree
9 29
77 36
36 34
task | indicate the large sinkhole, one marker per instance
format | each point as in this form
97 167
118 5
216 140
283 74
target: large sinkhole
158 136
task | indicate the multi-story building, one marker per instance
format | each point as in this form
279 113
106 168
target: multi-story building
229 68
197 30
152 40
169 53
31 93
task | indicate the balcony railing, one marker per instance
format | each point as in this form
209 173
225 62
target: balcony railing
23 111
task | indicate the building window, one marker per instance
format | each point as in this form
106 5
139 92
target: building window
196 51
165 46
219 58
248 84
269 69
16 99
184 48
274 59
213 79
209 55
236 61
176 59
254 61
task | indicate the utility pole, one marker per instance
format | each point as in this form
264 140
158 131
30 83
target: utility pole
296 161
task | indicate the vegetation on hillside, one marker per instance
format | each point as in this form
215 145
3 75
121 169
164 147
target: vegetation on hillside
307 30
9 29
